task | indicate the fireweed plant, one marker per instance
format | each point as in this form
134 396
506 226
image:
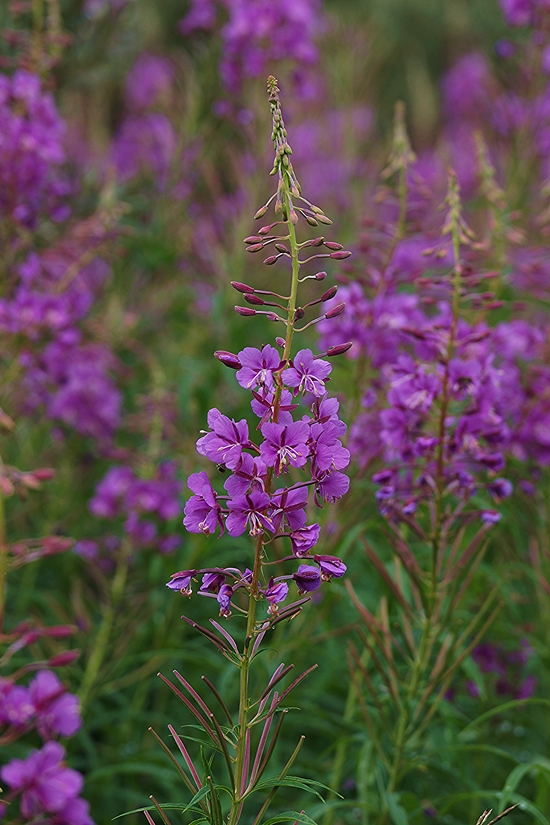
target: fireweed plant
299 430
440 410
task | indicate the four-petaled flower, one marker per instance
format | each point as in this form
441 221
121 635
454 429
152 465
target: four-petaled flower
304 539
225 443
202 511
258 366
285 446
249 510
181 582
331 566
307 578
307 373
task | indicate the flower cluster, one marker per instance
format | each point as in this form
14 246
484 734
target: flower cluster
31 152
121 493
45 705
46 788
258 33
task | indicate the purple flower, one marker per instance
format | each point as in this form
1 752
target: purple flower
181 582
224 600
249 474
57 712
500 488
249 510
326 448
517 12
16 705
307 578
288 507
307 373
331 566
202 511
144 144
304 539
257 367
46 786
285 446
275 593
211 582
264 407
226 442
331 486
149 80
490 516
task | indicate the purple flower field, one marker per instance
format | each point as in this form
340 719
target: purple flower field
275 412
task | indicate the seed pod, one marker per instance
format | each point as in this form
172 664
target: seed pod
339 256
228 359
240 287
245 311
333 245
339 349
254 299
255 247
334 311
330 293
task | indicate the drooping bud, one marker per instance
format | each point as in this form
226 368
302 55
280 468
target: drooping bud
335 311
271 260
339 256
330 293
254 239
324 219
242 287
261 212
280 341
228 359
255 247
245 311
311 221
333 245
339 349
320 276
64 659
254 299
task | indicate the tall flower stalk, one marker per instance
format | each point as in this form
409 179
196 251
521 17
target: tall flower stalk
274 516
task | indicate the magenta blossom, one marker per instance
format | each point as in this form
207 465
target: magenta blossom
304 539
57 712
331 566
307 578
224 600
285 446
249 510
202 511
288 506
182 582
275 593
226 442
307 373
258 366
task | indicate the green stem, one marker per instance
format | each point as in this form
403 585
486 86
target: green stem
102 639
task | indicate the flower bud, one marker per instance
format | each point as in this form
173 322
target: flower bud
261 212
265 230
271 260
318 241
64 659
333 245
340 255
299 313
330 293
320 276
255 247
254 299
280 341
334 311
228 359
280 247
30 481
241 287
311 221
44 473
272 316
324 219
6 422
253 239
339 349
293 217
245 311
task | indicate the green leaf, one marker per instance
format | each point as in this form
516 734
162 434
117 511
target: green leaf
291 816
500 709
294 782
398 814
516 775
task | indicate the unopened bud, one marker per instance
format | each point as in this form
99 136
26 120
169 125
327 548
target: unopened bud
272 316
330 293
333 245
255 247
60 631
320 276
280 341
340 255
228 359
280 247
317 210
44 473
271 260
245 311
253 239
324 219
30 481
254 299
339 349
261 212
241 287
311 221
299 314
265 230
334 311
64 659
318 241
293 217
57 544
